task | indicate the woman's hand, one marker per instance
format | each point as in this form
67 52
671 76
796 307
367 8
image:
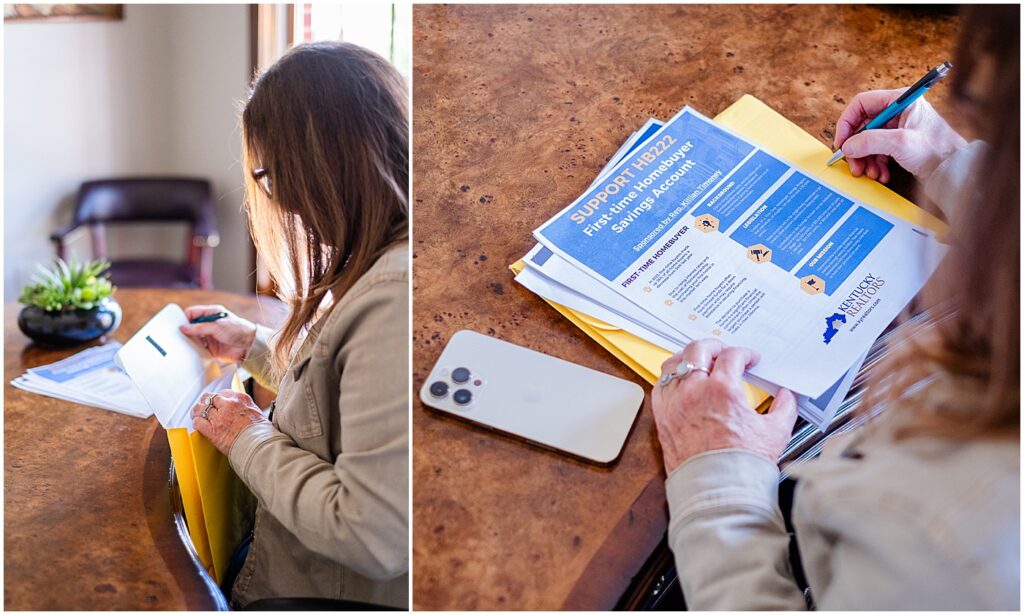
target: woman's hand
223 415
918 139
228 339
706 412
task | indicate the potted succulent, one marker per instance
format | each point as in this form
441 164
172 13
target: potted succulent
69 304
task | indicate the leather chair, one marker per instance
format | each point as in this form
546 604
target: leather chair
149 199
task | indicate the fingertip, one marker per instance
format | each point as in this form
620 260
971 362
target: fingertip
871 170
852 147
783 403
844 128
883 169
791 401
752 356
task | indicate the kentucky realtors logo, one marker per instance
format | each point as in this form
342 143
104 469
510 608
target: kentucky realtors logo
832 325
858 298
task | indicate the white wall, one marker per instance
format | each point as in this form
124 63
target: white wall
155 93
209 73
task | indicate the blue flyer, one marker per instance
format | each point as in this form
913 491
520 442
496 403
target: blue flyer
715 235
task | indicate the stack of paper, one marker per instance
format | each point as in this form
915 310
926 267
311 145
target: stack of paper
91 378
695 231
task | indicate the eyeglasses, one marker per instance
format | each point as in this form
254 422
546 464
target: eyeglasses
262 178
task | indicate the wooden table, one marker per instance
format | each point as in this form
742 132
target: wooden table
516 110
87 506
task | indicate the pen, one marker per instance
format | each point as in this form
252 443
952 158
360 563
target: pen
208 318
900 104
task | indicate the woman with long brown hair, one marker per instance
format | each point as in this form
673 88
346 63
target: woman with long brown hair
920 508
325 150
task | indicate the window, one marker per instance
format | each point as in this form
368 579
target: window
381 27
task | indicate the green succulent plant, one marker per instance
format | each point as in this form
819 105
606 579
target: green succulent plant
75 286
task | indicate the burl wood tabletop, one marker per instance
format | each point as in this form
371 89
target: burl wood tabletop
516 109
87 504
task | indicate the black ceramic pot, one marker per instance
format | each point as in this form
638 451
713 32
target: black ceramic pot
69 327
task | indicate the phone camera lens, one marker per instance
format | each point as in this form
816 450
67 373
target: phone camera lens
439 389
460 375
462 397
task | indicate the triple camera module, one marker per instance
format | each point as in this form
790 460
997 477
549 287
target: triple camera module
460 376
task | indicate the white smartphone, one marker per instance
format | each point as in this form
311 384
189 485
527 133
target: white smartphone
532 396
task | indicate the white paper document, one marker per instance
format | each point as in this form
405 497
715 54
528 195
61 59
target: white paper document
170 370
560 280
89 377
578 299
585 297
709 235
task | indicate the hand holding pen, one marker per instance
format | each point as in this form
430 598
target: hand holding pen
917 138
227 336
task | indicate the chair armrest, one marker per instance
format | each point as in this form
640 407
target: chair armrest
211 240
57 237
205 233
60 234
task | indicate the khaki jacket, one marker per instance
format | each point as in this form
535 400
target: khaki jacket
331 475
922 523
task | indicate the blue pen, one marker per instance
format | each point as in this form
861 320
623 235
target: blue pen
900 104
208 318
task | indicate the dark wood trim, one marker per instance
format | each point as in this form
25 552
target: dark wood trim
655 583
254 18
610 572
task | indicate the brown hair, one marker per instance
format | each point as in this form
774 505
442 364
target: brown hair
329 124
975 351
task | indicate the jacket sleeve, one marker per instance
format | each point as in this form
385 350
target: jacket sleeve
951 183
727 534
257 361
356 510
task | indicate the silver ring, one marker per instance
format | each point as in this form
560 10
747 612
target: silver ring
682 370
209 406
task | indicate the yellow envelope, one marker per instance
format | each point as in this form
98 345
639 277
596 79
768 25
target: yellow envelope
211 495
761 124
191 500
